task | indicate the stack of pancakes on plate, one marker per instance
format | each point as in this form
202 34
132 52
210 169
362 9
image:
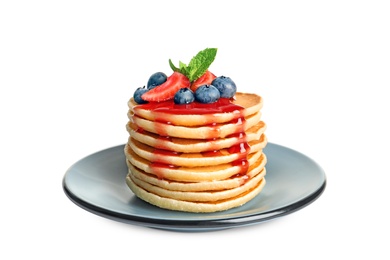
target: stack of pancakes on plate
196 157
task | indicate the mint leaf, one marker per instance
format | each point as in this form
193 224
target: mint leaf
198 64
183 68
173 66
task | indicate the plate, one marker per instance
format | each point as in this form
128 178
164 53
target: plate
97 184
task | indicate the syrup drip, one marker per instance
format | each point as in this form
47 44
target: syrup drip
160 128
160 154
165 138
158 168
238 121
161 142
242 149
243 164
239 135
140 130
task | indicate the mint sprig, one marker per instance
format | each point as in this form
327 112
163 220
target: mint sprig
198 64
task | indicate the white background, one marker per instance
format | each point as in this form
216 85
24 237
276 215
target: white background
67 69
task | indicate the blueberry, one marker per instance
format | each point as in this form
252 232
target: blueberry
138 93
156 79
207 94
184 96
225 85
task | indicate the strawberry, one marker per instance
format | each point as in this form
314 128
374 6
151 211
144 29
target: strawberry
167 90
205 79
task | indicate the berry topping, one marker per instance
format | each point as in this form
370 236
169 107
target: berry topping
184 96
225 85
167 90
138 93
205 79
207 94
188 83
156 79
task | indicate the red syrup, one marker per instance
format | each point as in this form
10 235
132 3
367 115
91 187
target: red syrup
140 130
243 164
242 149
239 135
158 168
165 138
161 142
223 105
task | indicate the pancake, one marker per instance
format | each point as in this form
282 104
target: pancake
195 207
190 174
229 183
249 103
187 145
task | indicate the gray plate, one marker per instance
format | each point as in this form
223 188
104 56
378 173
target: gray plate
97 183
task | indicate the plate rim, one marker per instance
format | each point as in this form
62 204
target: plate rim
195 224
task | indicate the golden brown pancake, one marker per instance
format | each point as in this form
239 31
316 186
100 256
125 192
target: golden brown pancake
230 182
196 207
189 174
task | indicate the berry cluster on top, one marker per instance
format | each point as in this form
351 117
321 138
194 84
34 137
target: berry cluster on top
187 84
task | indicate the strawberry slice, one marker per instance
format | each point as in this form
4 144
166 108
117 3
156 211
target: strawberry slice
167 90
205 79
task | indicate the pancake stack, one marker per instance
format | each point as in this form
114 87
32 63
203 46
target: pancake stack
196 157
